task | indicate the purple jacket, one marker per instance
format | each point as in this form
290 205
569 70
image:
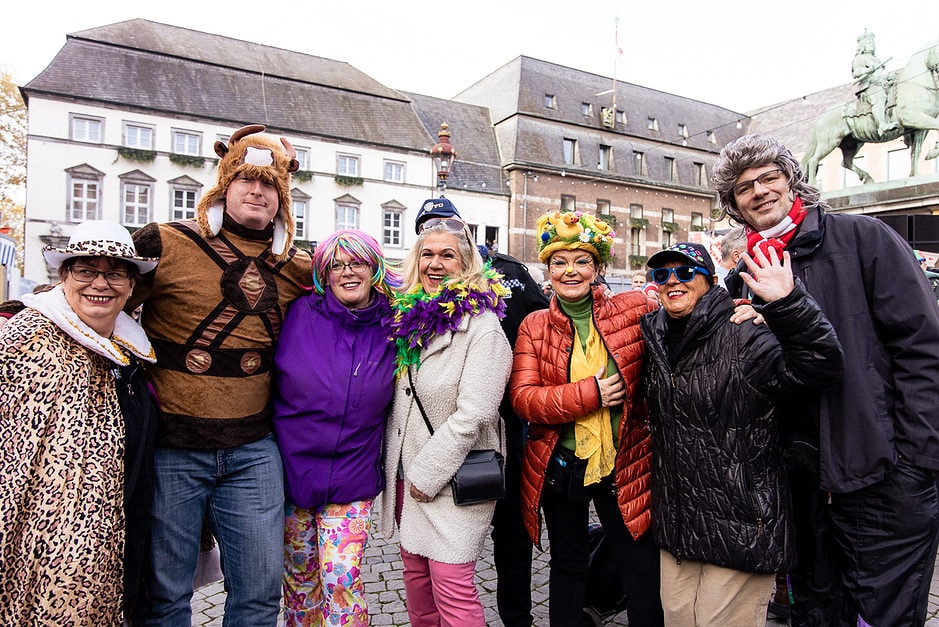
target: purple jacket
333 385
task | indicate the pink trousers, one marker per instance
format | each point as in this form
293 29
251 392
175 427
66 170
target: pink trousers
441 595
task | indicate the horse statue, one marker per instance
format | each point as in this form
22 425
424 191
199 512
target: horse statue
913 102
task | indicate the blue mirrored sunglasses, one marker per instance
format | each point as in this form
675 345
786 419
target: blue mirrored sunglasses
682 273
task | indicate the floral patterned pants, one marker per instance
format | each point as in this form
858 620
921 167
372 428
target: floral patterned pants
323 551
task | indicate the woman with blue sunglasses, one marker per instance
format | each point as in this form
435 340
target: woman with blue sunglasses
720 504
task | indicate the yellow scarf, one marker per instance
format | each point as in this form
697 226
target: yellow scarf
593 432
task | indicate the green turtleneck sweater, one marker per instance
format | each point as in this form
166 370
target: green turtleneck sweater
580 313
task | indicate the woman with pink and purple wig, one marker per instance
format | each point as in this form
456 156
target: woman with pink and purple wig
333 386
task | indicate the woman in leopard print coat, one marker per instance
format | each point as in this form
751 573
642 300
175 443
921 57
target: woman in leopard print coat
68 362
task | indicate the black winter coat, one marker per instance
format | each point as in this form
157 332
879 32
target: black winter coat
140 410
866 280
525 296
719 493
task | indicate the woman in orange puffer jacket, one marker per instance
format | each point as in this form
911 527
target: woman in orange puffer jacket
575 379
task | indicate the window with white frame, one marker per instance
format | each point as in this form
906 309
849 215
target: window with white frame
586 108
683 130
394 171
184 204
87 129
668 221
570 151
550 102
138 136
712 138
135 203
635 211
620 117
652 124
635 247
568 202
303 158
347 165
187 143
84 201
391 231
347 216
697 221
299 207
603 207
700 176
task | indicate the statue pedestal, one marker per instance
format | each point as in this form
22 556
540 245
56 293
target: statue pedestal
910 206
918 195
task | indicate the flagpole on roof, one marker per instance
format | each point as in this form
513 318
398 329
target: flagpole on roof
619 54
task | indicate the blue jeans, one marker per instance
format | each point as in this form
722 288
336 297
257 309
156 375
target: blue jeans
241 493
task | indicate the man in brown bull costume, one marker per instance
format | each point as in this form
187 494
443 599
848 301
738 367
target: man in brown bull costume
213 311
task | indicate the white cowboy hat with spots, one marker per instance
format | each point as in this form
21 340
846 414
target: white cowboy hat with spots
99 238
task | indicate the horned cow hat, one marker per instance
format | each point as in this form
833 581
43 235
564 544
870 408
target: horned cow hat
260 156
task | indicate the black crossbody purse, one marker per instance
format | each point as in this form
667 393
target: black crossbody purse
481 477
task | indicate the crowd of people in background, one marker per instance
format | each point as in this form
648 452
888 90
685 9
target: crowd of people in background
762 420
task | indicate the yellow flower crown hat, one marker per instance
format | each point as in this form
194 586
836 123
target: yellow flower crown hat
571 230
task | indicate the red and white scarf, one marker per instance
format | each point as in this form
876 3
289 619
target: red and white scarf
778 236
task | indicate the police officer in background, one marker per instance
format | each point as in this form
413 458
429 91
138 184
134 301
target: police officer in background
512 546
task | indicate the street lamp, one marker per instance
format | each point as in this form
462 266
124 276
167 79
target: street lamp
443 154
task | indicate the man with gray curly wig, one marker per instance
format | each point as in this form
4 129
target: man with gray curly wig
863 455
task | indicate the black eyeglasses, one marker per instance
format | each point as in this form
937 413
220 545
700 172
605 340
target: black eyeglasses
115 278
683 273
745 188
452 224
358 267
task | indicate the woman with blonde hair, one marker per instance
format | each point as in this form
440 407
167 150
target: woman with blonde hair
453 363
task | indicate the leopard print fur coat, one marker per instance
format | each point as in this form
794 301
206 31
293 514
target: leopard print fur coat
61 496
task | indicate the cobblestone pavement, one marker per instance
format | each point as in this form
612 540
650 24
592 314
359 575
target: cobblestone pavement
384 588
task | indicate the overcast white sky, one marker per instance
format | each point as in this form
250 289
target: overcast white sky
739 55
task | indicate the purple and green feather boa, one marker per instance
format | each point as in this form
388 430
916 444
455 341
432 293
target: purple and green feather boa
419 316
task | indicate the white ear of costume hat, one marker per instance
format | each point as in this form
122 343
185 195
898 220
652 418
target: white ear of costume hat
256 155
215 215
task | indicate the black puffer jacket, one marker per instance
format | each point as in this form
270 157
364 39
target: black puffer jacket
718 486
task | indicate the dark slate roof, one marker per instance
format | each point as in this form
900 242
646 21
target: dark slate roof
792 121
520 86
185 73
195 45
477 165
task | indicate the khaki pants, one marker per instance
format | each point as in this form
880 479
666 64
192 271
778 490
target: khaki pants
698 594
